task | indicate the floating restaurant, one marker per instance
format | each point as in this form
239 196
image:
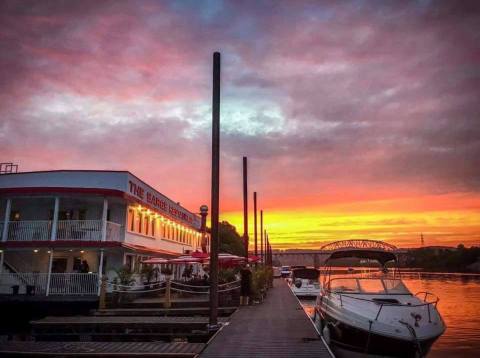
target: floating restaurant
63 230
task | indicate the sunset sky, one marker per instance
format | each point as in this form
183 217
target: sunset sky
360 119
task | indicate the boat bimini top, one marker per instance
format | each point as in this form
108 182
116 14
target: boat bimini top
363 249
371 250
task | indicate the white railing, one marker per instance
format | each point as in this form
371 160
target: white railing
23 279
29 230
60 283
87 230
74 284
113 231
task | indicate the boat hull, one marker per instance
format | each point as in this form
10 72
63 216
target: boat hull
348 337
307 294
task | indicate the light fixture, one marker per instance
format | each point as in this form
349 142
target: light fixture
81 251
48 251
35 250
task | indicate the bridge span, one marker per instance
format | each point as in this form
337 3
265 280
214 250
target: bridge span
315 258
297 258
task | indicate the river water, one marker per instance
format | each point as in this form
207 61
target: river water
459 306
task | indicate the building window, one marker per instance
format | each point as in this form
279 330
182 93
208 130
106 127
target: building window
129 262
147 224
131 219
139 218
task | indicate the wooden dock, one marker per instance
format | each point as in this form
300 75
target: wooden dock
186 311
277 328
101 349
119 328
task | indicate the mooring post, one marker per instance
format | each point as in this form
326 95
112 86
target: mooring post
255 221
168 293
245 207
261 238
214 242
103 293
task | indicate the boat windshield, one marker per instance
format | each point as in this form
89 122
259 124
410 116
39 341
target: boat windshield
382 286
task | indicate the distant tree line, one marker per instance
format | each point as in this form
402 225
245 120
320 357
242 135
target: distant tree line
461 259
230 240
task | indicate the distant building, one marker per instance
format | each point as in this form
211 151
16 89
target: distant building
61 231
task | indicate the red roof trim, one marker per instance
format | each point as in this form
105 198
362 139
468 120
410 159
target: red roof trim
49 189
71 170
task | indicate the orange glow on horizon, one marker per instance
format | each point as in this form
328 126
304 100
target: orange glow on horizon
444 220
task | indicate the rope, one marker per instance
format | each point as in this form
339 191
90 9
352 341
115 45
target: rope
139 286
140 291
414 336
188 291
196 286
205 292
185 285
230 289
229 283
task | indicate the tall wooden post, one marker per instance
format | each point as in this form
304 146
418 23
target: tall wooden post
261 238
255 221
214 242
245 207
266 248
268 251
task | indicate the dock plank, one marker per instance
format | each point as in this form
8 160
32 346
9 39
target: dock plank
276 328
157 349
122 320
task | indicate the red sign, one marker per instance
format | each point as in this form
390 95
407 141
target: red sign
159 202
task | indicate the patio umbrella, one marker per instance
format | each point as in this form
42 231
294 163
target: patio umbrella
200 255
184 260
226 256
156 260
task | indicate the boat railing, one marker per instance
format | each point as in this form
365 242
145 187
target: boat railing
426 295
391 304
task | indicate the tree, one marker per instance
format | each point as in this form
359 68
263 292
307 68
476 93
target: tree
230 240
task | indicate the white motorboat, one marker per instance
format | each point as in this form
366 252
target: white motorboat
285 271
374 314
304 282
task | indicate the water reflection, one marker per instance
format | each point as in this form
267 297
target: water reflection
458 305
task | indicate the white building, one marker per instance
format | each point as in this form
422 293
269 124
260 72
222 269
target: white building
53 222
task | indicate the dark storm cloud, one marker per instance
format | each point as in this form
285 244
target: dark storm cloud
364 93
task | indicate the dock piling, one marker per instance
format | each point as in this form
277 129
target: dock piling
214 242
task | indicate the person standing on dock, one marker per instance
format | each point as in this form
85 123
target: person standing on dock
245 285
